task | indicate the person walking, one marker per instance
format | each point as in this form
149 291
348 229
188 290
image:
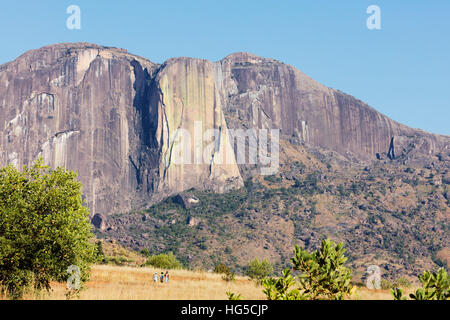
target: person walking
155 277
161 277
166 276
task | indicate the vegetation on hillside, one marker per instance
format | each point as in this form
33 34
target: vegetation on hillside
386 213
259 269
164 261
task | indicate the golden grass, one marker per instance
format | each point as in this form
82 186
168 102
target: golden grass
362 293
133 283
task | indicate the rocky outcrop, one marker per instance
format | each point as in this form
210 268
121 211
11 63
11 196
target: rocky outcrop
187 200
99 221
115 118
109 115
185 104
266 93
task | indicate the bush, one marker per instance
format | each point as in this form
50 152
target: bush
399 283
435 286
259 270
226 272
282 288
229 276
234 296
403 283
117 260
164 261
386 284
221 268
100 254
323 273
44 229
323 276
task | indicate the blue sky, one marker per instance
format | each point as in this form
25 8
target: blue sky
402 70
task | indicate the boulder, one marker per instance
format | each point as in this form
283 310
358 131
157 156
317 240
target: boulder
187 200
192 222
99 221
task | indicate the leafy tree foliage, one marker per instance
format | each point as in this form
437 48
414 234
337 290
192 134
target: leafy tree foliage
226 272
322 275
282 288
435 286
164 261
221 268
44 228
259 270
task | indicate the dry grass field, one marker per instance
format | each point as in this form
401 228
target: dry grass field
113 282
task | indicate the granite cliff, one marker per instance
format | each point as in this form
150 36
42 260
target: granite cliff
110 116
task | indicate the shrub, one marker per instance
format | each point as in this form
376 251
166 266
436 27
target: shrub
234 296
403 282
221 268
117 260
322 275
100 253
435 286
259 270
164 261
282 288
386 284
226 272
229 276
44 229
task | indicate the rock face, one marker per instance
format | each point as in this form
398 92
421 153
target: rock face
113 117
265 93
109 115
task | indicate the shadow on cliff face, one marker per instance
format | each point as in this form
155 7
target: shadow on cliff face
144 159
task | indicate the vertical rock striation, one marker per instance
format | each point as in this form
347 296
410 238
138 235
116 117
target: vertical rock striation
266 93
121 121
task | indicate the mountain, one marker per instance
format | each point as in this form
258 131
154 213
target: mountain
343 169
109 114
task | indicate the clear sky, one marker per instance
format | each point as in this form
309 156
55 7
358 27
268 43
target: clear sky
402 70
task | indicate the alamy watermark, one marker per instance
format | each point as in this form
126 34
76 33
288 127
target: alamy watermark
74 281
220 146
373 280
73 22
374 20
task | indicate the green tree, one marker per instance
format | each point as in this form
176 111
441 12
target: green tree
164 261
282 288
44 228
226 272
100 254
259 270
322 275
435 286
